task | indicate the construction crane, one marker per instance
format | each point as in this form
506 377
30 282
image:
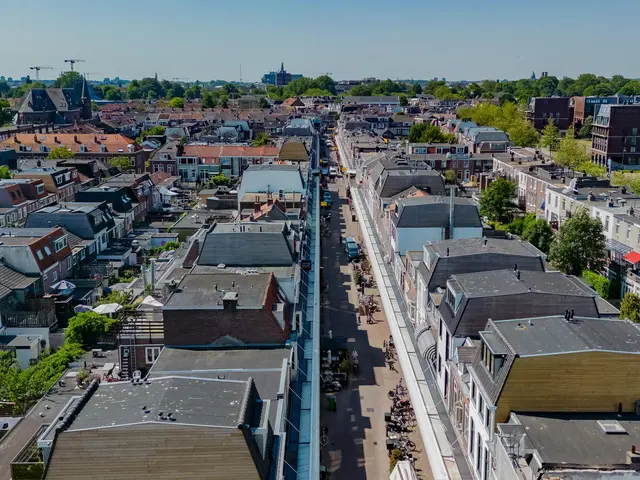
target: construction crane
38 68
86 74
73 61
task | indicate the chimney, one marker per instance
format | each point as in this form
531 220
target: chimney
55 139
35 138
95 139
230 301
75 139
447 251
15 139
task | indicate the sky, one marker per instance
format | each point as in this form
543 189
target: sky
350 39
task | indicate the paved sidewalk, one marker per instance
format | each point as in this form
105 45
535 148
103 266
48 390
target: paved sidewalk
357 431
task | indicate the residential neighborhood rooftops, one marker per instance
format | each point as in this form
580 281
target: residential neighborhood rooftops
211 291
555 335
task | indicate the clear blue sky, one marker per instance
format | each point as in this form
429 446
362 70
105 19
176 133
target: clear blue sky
209 39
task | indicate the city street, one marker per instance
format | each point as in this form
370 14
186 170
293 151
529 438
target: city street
356 432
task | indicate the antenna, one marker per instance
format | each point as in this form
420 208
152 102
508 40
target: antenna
73 61
38 68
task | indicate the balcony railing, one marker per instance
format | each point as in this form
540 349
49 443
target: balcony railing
39 313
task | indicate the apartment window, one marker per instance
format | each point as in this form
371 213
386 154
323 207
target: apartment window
82 255
60 244
446 347
92 248
480 404
564 204
440 329
473 391
55 275
555 202
472 437
47 250
152 354
487 416
69 262
479 457
486 464
628 232
617 227
606 222
39 254
439 363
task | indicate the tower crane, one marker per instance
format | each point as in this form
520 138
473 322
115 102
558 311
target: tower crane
38 68
73 61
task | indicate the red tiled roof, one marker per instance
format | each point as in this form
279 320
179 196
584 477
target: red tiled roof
209 152
113 142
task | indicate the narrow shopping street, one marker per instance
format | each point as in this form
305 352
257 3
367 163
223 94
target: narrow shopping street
357 430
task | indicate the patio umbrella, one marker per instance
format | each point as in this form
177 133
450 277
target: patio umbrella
108 308
63 285
82 308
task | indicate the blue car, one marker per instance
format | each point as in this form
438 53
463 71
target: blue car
324 171
327 198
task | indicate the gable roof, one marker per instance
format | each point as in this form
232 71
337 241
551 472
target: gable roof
294 151
392 182
434 211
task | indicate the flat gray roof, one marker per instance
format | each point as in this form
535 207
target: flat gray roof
505 282
472 246
566 439
208 290
555 335
209 402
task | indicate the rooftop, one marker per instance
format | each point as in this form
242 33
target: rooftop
433 211
197 291
579 439
506 282
473 246
191 401
555 335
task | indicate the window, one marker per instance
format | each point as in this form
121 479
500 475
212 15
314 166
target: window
617 226
439 363
606 222
92 248
82 254
473 391
555 202
55 275
60 244
487 416
480 404
47 250
69 262
628 232
440 329
39 254
479 457
564 204
151 354
634 131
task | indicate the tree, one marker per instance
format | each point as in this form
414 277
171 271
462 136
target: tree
415 90
496 202
630 307
451 177
579 245
121 163
113 94
220 179
69 80
60 153
176 102
208 101
262 140
264 103
539 234
428 133
550 135
5 88
4 172
404 101
86 327
585 129
570 153
224 101
5 111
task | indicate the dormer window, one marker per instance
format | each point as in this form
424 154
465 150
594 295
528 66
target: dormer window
43 149
83 148
103 148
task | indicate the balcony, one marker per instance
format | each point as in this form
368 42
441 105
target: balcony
38 313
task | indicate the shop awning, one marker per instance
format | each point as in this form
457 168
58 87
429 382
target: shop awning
632 257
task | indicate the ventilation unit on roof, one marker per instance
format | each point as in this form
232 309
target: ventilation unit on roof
611 427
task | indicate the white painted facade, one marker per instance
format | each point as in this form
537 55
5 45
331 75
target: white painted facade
404 239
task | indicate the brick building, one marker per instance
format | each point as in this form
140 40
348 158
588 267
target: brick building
614 137
227 309
541 109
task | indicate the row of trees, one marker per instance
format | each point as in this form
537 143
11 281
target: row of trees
321 86
569 153
428 133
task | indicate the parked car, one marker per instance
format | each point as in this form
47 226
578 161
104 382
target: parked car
352 248
328 198
333 172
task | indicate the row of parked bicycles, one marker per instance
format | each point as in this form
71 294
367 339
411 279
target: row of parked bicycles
401 420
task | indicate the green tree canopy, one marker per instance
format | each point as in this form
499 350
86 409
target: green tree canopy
264 103
496 202
539 234
69 80
60 153
451 177
176 102
5 173
571 154
261 140
208 101
86 327
585 129
428 133
121 163
550 135
630 307
5 111
404 101
415 90
579 245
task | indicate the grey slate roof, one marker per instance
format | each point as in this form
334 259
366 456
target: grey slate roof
211 402
434 211
82 219
259 244
392 182
13 279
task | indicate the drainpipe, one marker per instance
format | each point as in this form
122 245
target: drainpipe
451 211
